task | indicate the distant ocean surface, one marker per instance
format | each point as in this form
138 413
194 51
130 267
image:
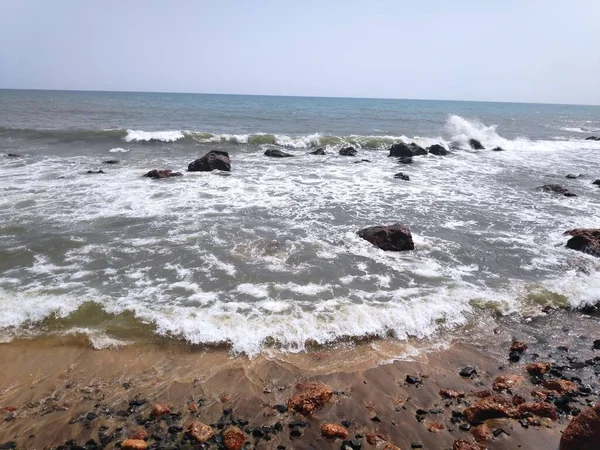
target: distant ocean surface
267 256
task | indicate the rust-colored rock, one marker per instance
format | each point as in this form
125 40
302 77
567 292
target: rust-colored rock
435 427
140 435
389 446
541 409
560 386
333 430
375 438
504 382
450 394
133 444
583 432
461 444
482 394
518 400
518 346
233 438
311 397
538 369
481 432
160 410
542 394
492 407
585 240
200 432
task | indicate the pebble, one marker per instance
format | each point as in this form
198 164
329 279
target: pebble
467 371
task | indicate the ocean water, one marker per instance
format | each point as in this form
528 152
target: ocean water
267 256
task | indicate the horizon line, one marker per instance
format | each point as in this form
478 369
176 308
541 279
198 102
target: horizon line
297 96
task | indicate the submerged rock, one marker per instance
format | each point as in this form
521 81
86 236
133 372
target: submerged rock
394 237
311 398
593 138
274 153
557 189
111 161
596 182
585 240
13 155
213 160
90 172
573 176
476 145
583 433
406 150
156 174
405 160
348 151
401 176
497 149
318 152
438 150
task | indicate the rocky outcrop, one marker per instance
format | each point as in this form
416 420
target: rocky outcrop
557 189
438 150
475 144
596 182
233 438
310 398
318 152
213 160
497 149
493 407
333 430
156 174
583 433
348 151
274 153
593 138
394 237
200 432
585 240
406 150
401 176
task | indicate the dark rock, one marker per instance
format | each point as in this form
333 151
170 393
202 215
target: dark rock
362 161
406 150
111 161
416 445
593 138
401 176
573 176
437 149
410 379
467 371
296 432
514 356
497 149
156 174
475 144
281 408
597 344
318 152
557 189
596 182
394 237
348 151
213 160
352 444
13 155
405 160
89 172
465 427
274 153
8 445
585 240
91 416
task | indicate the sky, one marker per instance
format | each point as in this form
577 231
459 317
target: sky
544 51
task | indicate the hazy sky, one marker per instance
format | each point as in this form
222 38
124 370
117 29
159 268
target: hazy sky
505 50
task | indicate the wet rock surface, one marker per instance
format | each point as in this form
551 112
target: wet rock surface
585 240
274 153
158 174
403 150
348 151
396 237
475 144
557 189
213 160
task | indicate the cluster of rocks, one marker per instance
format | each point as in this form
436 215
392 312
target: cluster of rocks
593 138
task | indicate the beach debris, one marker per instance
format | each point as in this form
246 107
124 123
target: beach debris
585 240
134 444
401 176
475 144
200 432
438 150
348 151
310 398
159 410
406 150
213 160
395 237
156 174
467 371
583 432
333 430
318 152
557 189
504 382
274 153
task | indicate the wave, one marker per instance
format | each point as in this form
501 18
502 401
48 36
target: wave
118 150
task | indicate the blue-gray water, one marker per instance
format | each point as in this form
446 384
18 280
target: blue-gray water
268 254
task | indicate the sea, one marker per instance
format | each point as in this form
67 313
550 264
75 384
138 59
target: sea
267 256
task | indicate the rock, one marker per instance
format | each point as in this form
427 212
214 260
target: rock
213 160
8 445
348 151
362 161
318 152
111 161
156 174
560 386
583 432
481 432
504 382
406 150
541 409
514 356
538 369
597 344
13 155
492 407
394 237
311 398
435 427
449 393
401 176
375 438
467 371
438 150
593 138
497 149
140 435
351 445
596 182
573 176
274 153
585 240
89 172
200 432
389 446
518 346
461 444
405 160
133 444
233 438
333 430
475 144
411 379
160 410
557 189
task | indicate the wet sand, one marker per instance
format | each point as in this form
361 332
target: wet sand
56 390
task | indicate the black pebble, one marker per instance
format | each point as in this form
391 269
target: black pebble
351 445
281 408
91 416
465 427
467 371
416 445
597 344
514 356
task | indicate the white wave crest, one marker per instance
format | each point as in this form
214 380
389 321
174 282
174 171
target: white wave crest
118 150
146 136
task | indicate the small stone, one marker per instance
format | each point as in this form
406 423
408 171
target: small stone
160 410
504 382
140 435
435 427
280 408
333 430
416 445
410 379
514 356
560 386
200 432
311 398
518 346
597 344
233 438
465 427
467 371
133 444
449 393
538 369
91 416
352 444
